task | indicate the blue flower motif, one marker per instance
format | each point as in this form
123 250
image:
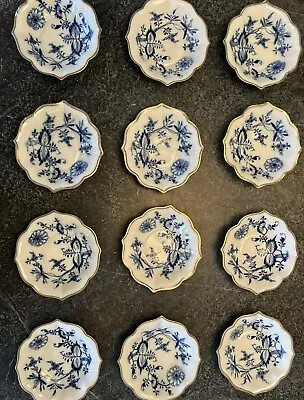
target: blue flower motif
273 164
38 238
78 168
184 63
276 67
179 167
175 376
38 342
148 225
35 19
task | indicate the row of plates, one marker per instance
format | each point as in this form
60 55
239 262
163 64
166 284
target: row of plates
57 255
167 39
159 361
58 146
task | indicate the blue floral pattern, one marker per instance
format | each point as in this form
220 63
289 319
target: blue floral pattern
266 132
59 376
175 246
144 362
44 152
266 351
146 150
268 32
74 34
75 254
269 254
166 28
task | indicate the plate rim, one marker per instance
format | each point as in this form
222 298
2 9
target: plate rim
20 268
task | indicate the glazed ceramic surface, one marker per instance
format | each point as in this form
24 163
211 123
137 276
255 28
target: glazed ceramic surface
168 40
262 144
58 37
159 360
57 255
162 148
58 361
255 353
262 44
161 248
259 252
58 146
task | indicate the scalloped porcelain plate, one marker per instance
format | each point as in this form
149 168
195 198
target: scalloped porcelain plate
262 145
58 361
162 148
168 40
57 255
58 37
58 146
160 360
259 252
255 353
262 45
161 248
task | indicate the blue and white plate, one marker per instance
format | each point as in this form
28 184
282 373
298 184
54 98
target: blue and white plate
58 146
262 145
57 255
58 37
58 361
162 148
161 248
168 40
262 44
160 360
255 353
259 252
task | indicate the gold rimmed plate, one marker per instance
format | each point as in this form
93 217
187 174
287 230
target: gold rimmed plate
58 38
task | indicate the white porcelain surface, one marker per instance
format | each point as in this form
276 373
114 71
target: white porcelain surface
168 40
57 37
162 148
58 146
262 44
259 252
160 360
161 248
255 353
58 361
262 145
57 255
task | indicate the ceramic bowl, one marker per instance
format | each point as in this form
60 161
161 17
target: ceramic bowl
262 44
255 353
160 360
58 146
161 248
162 148
58 361
259 252
168 40
262 145
57 255
58 37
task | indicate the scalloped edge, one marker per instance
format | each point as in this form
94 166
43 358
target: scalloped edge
134 334
61 78
221 344
140 66
242 116
100 360
17 148
199 248
225 243
236 70
20 268
133 172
